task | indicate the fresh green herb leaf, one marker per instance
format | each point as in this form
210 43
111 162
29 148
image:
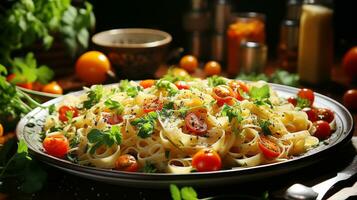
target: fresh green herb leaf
259 93
98 138
51 109
302 103
149 168
114 105
188 193
231 113
215 80
69 115
130 90
145 124
279 76
264 124
167 85
93 96
175 192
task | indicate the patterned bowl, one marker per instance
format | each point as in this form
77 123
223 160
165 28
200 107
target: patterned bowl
135 53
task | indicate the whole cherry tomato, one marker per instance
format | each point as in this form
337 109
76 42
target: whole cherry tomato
350 99
206 160
307 94
349 62
147 83
325 114
56 145
269 148
182 85
189 63
53 88
212 68
196 123
323 129
92 67
126 163
311 114
63 112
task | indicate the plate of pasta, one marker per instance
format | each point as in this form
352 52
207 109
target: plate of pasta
185 130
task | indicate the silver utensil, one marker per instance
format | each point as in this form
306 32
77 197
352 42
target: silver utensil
302 192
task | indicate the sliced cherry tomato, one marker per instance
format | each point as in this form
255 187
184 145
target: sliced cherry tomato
311 114
239 87
206 160
53 88
63 112
212 68
182 85
126 163
224 95
292 100
147 83
189 63
113 118
325 115
56 145
308 94
195 123
323 129
152 104
268 147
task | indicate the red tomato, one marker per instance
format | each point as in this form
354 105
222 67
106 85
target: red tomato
23 85
147 83
311 114
152 104
206 160
182 85
268 147
308 94
350 99
113 118
224 95
126 163
349 62
53 88
323 130
239 87
195 123
63 111
212 68
325 115
56 145
292 100
189 63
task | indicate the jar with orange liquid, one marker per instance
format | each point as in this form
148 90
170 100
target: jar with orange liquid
244 27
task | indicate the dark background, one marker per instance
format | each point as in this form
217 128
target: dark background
167 15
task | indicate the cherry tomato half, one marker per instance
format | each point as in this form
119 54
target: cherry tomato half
268 147
63 112
224 95
92 67
239 87
126 163
311 114
56 145
325 115
323 129
189 63
152 104
195 123
308 94
113 119
147 83
292 100
212 68
182 85
206 160
53 88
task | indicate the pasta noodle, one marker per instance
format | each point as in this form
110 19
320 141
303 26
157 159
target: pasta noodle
164 127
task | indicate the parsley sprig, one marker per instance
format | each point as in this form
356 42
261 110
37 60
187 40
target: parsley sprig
132 91
260 95
264 124
108 138
168 86
114 105
145 124
215 80
93 96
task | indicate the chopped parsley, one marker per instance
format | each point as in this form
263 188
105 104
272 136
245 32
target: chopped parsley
107 138
145 124
94 95
168 86
231 113
114 105
149 168
215 80
302 103
264 124
260 95
132 91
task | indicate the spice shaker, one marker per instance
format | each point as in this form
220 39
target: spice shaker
315 55
288 45
252 57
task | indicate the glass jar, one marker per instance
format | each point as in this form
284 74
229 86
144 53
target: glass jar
244 27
